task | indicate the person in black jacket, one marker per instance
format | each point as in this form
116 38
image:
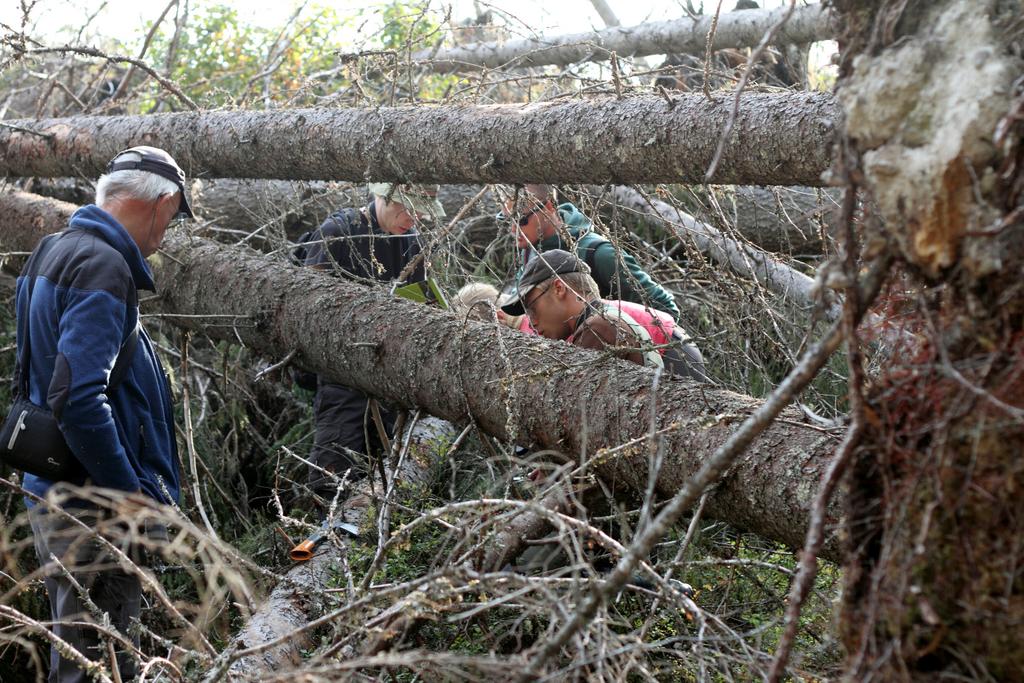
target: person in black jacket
375 242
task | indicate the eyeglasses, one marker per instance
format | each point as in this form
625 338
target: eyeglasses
528 305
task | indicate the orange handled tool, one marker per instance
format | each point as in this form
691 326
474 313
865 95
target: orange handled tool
304 551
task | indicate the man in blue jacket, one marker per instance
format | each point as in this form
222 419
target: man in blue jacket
79 316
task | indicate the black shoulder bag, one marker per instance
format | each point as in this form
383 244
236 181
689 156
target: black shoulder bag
30 438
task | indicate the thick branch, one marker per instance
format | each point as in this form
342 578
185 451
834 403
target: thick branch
744 259
735 29
516 387
631 140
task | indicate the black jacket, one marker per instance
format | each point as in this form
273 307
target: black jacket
357 248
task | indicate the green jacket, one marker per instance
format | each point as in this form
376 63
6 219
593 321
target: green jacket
616 272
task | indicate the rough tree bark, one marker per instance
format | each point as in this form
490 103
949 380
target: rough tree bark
784 220
735 29
516 387
778 139
935 114
247 204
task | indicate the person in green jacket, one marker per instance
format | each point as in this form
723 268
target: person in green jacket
540 224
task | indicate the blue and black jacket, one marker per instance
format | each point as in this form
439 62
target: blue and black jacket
84 306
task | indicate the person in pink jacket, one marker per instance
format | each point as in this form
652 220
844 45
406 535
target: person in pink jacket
561 300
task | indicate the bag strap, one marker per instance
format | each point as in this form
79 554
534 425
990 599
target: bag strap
31 272
124 355
587 246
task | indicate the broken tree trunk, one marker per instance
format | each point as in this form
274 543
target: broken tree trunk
744 259
735 29
516 387
934 587
635 140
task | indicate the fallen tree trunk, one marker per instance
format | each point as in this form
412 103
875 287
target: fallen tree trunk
778 219
246 204
515 387
935 126
783 220
746 260
735 29
294 602
632 140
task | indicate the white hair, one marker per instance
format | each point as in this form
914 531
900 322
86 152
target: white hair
133 185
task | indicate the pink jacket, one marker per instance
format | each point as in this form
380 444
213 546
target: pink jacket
658 324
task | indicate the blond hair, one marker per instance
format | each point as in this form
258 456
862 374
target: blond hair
477 301
581 283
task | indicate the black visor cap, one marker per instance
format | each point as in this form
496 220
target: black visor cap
154 163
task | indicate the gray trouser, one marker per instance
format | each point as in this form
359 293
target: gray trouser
111 589
684 359
342 427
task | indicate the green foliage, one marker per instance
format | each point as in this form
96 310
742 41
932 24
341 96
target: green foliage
220 60
406 27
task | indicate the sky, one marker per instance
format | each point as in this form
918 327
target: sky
543 16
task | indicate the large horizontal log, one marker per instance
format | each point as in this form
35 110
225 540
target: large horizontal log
247 204
532 391
778 139
735 29
787 220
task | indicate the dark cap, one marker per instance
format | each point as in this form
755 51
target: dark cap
539 270
152 160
